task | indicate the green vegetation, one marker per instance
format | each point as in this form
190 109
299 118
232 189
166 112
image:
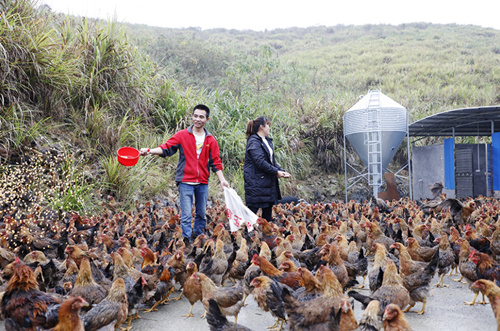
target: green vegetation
78 89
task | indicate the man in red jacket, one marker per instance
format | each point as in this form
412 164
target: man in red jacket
199 152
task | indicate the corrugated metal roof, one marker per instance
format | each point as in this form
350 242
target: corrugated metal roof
480 121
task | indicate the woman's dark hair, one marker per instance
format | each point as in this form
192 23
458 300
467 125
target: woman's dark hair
254 125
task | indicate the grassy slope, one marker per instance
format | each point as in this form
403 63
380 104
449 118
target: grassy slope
98 86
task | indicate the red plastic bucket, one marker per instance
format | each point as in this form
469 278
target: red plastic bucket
128 156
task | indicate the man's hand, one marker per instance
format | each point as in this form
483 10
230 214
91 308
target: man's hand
222 180
224 183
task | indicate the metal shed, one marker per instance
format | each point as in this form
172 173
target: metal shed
465 169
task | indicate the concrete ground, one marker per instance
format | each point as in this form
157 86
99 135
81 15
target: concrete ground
445 311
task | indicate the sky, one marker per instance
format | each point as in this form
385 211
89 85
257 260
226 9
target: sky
260 15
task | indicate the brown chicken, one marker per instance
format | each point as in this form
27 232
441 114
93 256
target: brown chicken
76 254
267 232
241 262
192 288
292 279
446 258
406 265
371 319
177 262
420 253
378 235
217 265
112 311
332 256
164 288
467 269
394 319
316 314
23 306
492 291
312 286
69 320
148 258
229 299
486 268
391 291
86 287
461 212
418 283
375 275
267 294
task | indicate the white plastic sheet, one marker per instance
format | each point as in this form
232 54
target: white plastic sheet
237 212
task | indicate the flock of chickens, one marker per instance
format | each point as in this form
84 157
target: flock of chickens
96 273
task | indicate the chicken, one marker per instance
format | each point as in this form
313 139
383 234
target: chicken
395 320
492 291
25 307
467 269
177 262
148 258
378 235
312 286
241 261
420 253
217 265
371 319
112 311
164 288
76 254
316 314
292 280
495 240
267 294
418 283
461 212
191 289
446 258
391 291
69 320
335 262
134 298
86 287
218 322
267 233
375 275
228 299
486 268
70 274
252 271
406 265
358 267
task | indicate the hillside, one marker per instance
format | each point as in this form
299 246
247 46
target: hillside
75 90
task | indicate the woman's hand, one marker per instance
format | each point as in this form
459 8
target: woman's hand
283 174
144 151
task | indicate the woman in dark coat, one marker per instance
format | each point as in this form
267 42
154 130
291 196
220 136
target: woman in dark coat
261 172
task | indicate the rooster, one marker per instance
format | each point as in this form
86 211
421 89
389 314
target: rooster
23 305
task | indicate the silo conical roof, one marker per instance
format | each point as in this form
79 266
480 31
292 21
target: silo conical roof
392 123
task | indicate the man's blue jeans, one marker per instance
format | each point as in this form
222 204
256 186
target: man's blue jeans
200 194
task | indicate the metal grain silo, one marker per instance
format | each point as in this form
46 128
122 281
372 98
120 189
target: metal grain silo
375 126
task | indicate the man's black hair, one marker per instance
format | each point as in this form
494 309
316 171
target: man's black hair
202 107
